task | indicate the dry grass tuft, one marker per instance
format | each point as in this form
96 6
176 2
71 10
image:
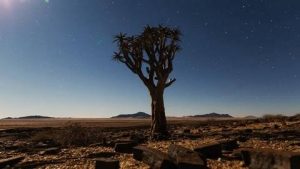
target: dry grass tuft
72 135
274 118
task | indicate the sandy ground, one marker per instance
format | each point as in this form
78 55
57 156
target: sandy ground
273 135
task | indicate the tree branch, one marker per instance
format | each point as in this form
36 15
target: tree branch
154 50
170 82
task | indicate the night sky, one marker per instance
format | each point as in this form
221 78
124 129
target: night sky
238 56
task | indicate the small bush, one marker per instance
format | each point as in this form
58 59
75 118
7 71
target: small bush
76 135
73 134
274 118
44 136
295 117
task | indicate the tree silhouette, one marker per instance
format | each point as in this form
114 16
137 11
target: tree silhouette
150 55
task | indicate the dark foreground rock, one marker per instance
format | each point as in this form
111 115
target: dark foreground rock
107 163
125 147
270 159
154 158
10 162
212 151
101 155
50 151
186 158
229 145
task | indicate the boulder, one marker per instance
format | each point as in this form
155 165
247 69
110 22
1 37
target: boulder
247 131
97 145
185 158
276 126
101 155
10 162
270 159
212 151
41 145
192 136
243 138
187 131
125 147
50 151
107 163
154 158
236 154
229 145
245 154
138 137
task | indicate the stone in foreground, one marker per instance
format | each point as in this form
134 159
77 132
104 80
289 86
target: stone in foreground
101 155
107 163
186 158
9 162
229 145
211 151
50 151
270 159
154 158
125 147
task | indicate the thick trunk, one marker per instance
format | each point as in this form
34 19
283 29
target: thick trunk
159 123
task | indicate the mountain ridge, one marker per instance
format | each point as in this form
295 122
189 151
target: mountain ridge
213 115
138 115
29 117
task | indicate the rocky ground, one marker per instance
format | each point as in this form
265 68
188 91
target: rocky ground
74 146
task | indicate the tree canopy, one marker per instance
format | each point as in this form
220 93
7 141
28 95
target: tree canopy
150 55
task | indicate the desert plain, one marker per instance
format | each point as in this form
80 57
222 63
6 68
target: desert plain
78 143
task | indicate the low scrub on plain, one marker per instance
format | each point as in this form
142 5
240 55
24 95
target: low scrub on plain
274 118
73 134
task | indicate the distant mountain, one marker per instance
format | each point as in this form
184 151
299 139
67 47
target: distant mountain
213 115
250 117
138 115
29 117
7 118
35 117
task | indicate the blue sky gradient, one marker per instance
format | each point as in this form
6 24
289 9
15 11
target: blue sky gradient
238 57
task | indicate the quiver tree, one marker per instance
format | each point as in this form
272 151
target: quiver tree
150 56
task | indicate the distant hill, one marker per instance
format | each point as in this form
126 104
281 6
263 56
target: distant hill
7 118
250 117
213 115
138 115
30 117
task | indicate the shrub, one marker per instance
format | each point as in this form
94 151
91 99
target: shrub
274 118
76 135
73 134
295 117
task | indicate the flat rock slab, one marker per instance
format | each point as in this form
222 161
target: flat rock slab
229 145
9 162
154 158
50 151
107 163
270 159
139 138
36 164
185 158
101 155
212 151
243 138
125 147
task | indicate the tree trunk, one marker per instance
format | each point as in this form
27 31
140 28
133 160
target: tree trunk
159 122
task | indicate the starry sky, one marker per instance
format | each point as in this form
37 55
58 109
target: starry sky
240 57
